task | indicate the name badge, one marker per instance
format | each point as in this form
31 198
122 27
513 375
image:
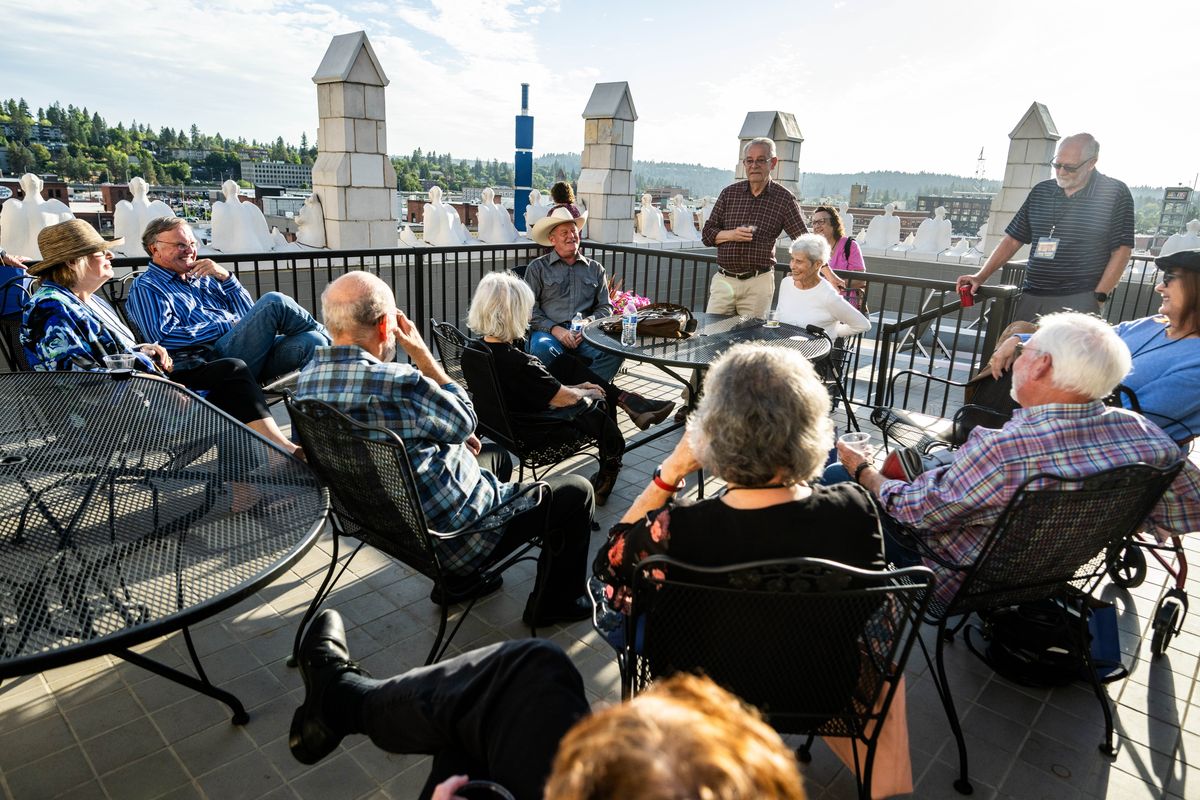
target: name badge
1047 246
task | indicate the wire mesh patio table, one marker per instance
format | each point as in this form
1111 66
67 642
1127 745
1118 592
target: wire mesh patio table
129 509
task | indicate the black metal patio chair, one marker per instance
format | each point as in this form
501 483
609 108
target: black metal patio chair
14 293
450 342
375 499
536 441
817 646
1050 542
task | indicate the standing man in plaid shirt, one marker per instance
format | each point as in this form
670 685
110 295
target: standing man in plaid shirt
1062 428
459 480
747 219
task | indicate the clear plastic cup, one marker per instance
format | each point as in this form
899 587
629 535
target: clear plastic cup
772 319
121 361
857 441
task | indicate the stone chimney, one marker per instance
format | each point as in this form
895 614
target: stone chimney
781 128
353 175
606 178
1030 152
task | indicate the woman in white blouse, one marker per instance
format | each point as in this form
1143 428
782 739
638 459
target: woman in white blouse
808 299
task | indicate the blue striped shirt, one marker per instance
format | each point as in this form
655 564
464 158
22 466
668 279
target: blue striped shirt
1089 225
180 314
434 422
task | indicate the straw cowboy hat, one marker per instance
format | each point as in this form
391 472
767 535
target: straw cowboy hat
67 240
564 212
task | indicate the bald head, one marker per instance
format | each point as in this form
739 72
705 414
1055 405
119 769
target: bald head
353 304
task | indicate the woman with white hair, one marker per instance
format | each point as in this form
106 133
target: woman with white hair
763 426
566 390
808 299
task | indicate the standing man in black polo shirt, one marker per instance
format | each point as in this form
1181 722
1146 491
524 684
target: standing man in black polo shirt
745 222
1081 227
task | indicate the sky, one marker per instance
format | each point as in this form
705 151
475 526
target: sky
914 86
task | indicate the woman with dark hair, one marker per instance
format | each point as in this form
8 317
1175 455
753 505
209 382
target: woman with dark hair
1165 350
67 326
844 251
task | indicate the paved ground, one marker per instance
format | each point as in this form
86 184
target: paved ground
106 729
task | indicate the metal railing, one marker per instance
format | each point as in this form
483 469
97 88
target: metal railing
916 323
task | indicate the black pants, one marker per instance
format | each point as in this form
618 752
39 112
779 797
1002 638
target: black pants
494 713
228 385
599 421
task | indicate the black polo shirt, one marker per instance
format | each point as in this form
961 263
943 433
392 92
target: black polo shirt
1089 225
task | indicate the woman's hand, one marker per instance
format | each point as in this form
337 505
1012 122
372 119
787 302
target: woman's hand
158 353
829 275
447 788
681 461
1002 360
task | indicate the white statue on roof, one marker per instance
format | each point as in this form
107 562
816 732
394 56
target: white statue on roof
443 226
1189 240
22 220
883 231
847 218
131 217
409 239
650 220
495 226
903 247
706 207
311 223
934 234
683 220
538 208
239 227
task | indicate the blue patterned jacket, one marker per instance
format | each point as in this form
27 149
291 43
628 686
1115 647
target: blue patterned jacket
61 332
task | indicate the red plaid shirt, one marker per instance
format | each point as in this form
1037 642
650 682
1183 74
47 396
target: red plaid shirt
774 210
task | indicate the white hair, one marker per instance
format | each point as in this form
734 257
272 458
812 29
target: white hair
763 141
812 246
502 307
1087 355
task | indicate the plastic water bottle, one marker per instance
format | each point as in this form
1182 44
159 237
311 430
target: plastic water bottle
629 319
577 322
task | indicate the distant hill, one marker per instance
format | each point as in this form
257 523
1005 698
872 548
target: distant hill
701 180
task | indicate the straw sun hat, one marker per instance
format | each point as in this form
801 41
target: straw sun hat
564 212
67 240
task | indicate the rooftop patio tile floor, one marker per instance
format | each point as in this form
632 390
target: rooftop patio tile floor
107 729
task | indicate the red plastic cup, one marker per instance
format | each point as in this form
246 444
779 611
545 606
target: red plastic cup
964 294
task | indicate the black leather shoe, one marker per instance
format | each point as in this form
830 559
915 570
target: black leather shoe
460 590
603 483
643 412
323 657
579 608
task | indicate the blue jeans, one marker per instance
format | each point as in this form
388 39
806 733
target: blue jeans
893 547
276 337
545 348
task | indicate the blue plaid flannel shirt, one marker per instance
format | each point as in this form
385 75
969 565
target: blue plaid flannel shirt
434 423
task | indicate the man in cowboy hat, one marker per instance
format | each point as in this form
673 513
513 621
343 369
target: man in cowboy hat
565 283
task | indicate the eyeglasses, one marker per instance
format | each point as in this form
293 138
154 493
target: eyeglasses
820 221
1070 168
756 162
1023 348
181 246
1167 277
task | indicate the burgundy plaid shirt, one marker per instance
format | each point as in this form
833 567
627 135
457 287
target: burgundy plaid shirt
775 210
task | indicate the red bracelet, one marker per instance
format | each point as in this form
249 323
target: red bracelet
666 487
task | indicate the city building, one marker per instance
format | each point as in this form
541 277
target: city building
277 173
967 211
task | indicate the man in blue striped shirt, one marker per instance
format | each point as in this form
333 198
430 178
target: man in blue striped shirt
1080 226
199 311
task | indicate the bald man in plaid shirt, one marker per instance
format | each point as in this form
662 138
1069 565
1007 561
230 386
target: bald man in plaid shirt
745 222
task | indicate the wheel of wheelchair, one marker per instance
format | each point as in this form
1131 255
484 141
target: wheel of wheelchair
1167 619
1127 566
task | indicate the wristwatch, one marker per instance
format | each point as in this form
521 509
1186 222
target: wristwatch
1101 297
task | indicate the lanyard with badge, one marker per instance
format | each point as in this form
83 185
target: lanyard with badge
1047 246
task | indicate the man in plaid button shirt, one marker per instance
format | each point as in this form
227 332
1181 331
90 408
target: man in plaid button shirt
1066 369
745 222
459 480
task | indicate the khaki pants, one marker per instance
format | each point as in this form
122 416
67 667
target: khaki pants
1031 306
751 297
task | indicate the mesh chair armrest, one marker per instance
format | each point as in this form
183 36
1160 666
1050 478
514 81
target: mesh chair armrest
909 538
539 486
891 392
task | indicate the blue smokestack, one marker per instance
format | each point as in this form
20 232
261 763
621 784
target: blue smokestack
523 161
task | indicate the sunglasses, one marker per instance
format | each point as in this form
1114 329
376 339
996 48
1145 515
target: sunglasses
1167 277
1070 168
